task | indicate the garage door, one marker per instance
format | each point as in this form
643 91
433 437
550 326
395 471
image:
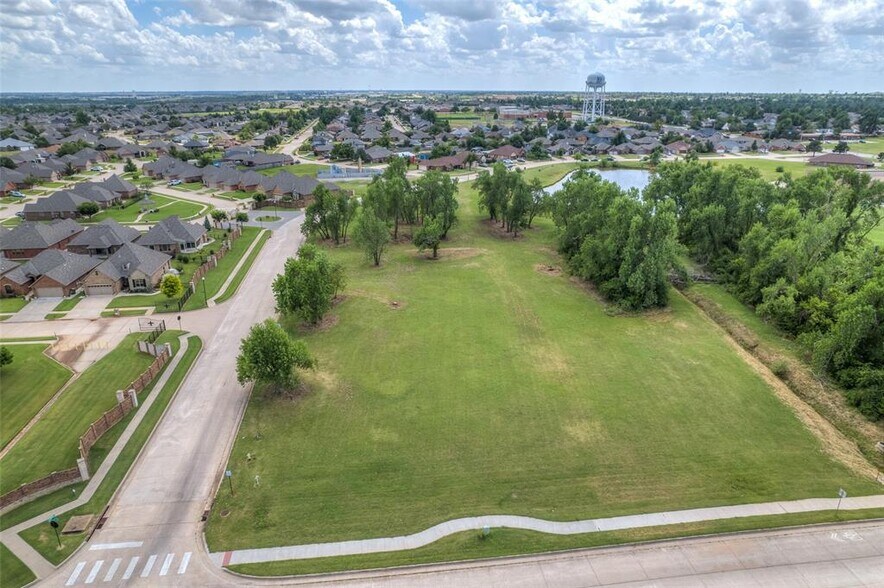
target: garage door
100 290
50 292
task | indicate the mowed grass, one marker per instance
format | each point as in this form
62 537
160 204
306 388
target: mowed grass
298 169
181 208
768 167
876 235
13 573
26 385
12 304
51 445
869 147
493 388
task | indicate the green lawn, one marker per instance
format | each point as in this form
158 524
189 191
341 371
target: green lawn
217 276
166 206
236 195
181 208
244 270
128 214
870 147
40 536
13 573
51 445
768 167
68 303
189 186
493 388
877 234
28 383
298 169
124 312
12 304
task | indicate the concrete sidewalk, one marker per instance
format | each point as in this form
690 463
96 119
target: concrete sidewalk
441 530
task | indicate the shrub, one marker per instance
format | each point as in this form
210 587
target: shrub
780 369
780 169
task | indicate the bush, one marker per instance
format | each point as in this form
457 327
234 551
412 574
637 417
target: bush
780 169
780 369
183 258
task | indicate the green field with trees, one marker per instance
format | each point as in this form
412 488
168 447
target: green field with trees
488 381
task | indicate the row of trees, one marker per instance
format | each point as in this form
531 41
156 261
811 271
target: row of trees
510 199
796 251
611 237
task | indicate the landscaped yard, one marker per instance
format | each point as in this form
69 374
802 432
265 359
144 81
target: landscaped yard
28 383
189 186
14 573
869 147
486 383
12 304
768 167
180 208
68 303
51 445
298 169
877 234
166 206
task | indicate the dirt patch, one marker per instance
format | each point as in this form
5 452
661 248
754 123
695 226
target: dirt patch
584 431
495 229
327 322
393 304
459 252
833 441
547 269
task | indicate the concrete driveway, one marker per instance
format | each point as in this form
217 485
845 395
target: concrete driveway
89 307
34 310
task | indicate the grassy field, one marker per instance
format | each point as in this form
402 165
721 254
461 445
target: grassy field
218 275
469 119
493 387
40 536
13 573
870 147
877 234
83 402
12 304
68 303
244 270
28 383
768 167
181 208
298 169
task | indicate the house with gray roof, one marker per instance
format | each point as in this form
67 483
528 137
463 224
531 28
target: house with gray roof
119 186
103 239
28 239
11 144
10 180
52 273
173 236
132 267
61 204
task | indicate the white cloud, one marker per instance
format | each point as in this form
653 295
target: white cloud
529 44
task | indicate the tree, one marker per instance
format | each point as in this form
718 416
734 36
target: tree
171 286
241 217
429 236
841 147
372 234
329 215
308 284
6 356
88 208
269 356
7 162
206 223
71 147
81 118
436 195
815 146
271 142
218 216
391 195
130 166
342 151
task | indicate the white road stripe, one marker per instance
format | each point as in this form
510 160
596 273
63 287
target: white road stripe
125 545
113 569
75 574
94 571
148 566
184 561
167 563
131 567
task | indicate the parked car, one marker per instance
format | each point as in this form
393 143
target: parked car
174 183
96 168
16 194
20 214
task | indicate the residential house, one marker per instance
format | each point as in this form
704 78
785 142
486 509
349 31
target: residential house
39 171
28 239
845 159
51 273
132 267
119 186
378 154
61 204
103 239
173 236
11 144
505 152
447 163
10 180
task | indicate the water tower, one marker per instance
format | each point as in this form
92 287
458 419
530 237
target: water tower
594 97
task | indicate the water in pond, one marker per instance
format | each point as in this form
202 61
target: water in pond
625 178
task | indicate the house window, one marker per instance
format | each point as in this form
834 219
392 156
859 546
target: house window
8 289
138 284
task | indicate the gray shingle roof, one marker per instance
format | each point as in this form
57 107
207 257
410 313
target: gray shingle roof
63 201
62 266
131 258
107 233
30 235
118 185
172 230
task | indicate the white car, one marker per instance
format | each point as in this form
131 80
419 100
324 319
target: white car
174 182
95 168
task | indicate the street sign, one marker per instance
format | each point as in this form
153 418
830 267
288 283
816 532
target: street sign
842 493
53 521
228 473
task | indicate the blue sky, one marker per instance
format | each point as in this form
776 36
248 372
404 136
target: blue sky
652 45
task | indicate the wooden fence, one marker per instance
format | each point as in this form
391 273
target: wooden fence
66 477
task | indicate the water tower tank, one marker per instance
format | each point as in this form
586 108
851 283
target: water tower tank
595 80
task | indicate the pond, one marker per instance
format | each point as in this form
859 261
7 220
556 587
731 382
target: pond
625 178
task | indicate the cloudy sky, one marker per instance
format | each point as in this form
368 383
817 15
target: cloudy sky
668 45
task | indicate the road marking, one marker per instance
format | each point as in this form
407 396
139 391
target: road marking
167 563
126 545
130 568
148 566
184 561
94 571
113 569
75 574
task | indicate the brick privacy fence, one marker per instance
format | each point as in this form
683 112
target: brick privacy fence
52 481
63 478
121 409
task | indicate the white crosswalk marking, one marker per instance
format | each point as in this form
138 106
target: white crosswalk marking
113 569
184 561
148 566
131 567
166 564
94 571
75 574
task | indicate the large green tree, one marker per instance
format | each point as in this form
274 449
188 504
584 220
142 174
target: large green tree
268 355
372 234
308 284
